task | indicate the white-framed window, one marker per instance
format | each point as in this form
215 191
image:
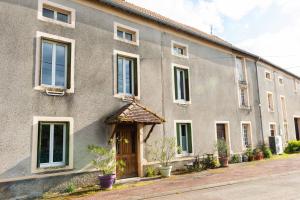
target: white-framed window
127 78
241 70
246 134
179 49
296 86
126 34
273 129
286 132
54 62
55 13
268 75
52 143
280 80
283 108
244 97
181 84
184 136
270 101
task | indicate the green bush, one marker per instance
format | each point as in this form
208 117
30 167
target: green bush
151 171
266 151
235 159
293 147
208 161
70 188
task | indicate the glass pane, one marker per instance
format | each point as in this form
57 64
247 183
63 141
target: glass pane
60 65
128 36
120 75
47 63
183 138
58 143
180 51
62 17
128 68
239 66
120 34
182 84
45 143
48 13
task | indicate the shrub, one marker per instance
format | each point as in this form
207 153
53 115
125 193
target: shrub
235 158
222 148
249 154
266 151
70 188
293 147
208 161
151 171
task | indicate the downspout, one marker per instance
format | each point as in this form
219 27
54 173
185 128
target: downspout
277 103
162 80
259 102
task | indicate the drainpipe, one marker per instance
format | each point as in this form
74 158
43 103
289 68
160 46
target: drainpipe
277 103
259 101
162 80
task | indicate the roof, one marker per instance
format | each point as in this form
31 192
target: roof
153 16
134 113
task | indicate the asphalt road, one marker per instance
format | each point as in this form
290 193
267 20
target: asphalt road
282 187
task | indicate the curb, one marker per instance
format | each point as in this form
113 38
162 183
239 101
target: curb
215 185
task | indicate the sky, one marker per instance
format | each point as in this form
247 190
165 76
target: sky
268 28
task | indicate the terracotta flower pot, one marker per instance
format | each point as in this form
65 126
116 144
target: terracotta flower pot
223 161
107 181
259 156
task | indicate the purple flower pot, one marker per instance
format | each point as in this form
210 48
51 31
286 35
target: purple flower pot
107 181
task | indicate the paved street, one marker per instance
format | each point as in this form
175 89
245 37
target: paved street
283 187
259 180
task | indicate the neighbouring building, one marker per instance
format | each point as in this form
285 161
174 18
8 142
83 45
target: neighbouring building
80 72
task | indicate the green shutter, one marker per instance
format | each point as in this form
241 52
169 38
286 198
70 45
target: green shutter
175 83
69 67
187 88
67 143
178 135
190 143
135 78
39 145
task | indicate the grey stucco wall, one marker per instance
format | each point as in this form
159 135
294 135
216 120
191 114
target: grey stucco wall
214 89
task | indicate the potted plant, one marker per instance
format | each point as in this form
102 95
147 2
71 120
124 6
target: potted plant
258 154
222 149
249 154
106 163
164 151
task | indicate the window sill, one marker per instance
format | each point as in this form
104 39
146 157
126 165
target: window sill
44 88
183 103
185 155
127 41
180 56
245 107
125 97
51 169
49 20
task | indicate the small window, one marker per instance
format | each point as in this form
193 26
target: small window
270 102
268 75
179 49
126 74
184 137
296 85
280 80
241 70
181 83
56 13
286 132
126 34
244 97
283 108
272 129
52 144
246 135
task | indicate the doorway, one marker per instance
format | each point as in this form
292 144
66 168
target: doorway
222 133
126 149
297 128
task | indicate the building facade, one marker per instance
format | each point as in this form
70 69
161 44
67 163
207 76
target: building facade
68 66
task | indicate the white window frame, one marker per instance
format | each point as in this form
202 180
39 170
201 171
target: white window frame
185 46
275 130
240 98
269 72
35 129
183 154
56 7
280 78
283 108
273 106
250 139
131 30
244 69
51 163
286 131
227 133
38 66
115 66
183 102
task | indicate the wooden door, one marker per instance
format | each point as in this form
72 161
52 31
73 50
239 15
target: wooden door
126 148
221 131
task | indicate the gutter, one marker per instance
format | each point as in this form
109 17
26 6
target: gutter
176 26
259 102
